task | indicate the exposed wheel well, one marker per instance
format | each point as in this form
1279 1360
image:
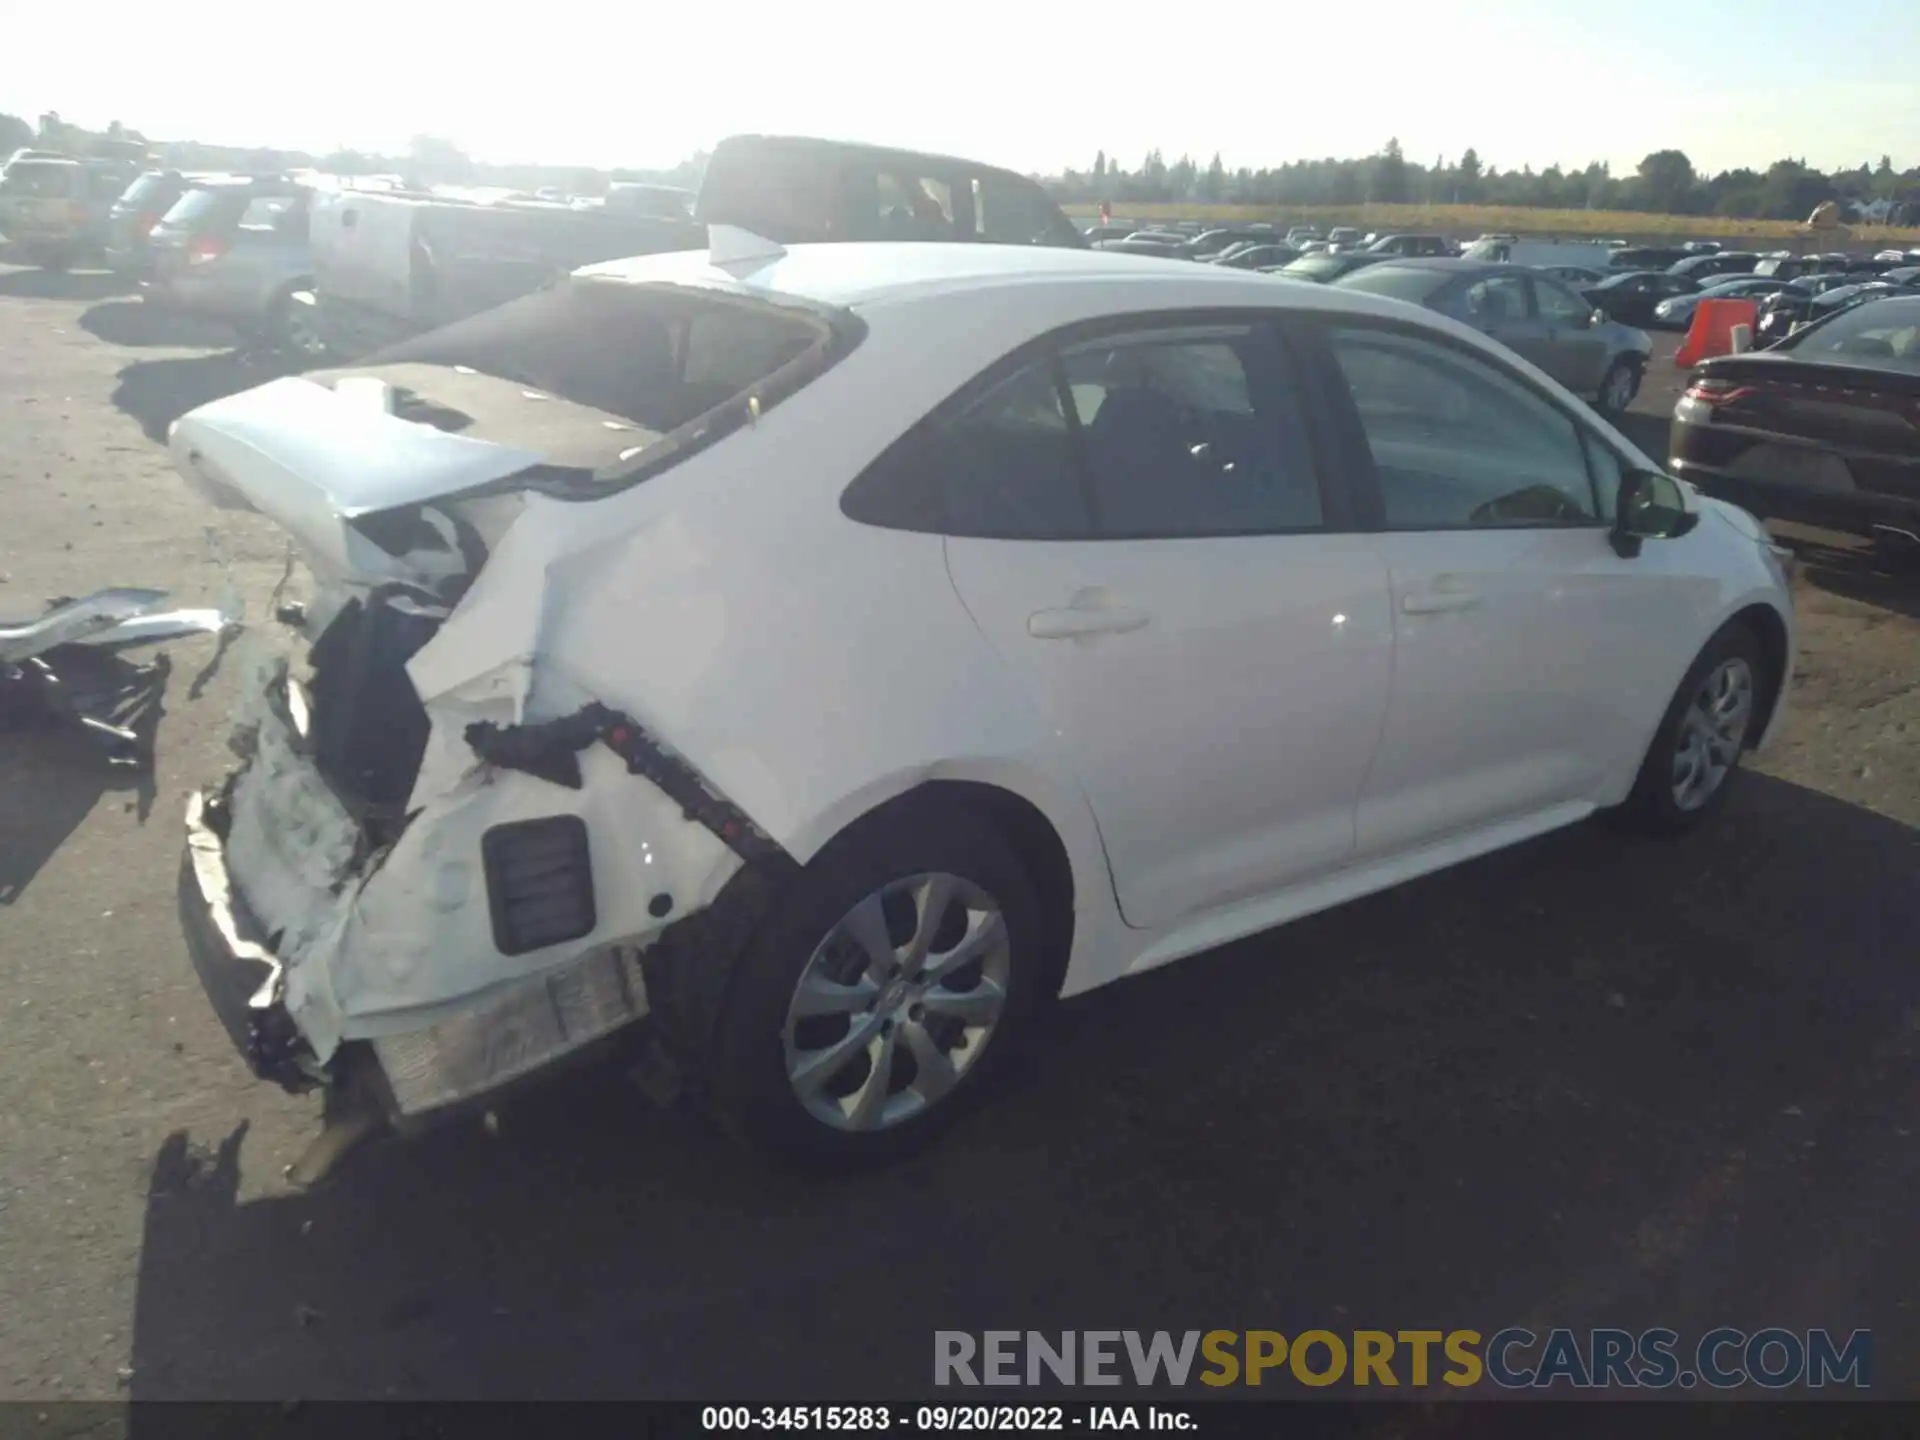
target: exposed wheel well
1771 631
1023 826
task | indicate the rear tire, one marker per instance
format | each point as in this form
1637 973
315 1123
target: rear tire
1696 752
837 1044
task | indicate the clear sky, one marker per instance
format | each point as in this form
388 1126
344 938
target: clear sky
1032 84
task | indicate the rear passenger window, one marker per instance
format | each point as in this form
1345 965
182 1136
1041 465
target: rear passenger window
1170 434
1176 444
1002 467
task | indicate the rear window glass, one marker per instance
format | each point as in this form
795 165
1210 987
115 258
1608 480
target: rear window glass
202 210
654 356
1394 281
45 179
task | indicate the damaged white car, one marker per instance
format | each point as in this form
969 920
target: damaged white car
826 656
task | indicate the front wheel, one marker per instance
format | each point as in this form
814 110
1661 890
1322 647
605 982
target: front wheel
895 979
1618 387
292 328
1702 737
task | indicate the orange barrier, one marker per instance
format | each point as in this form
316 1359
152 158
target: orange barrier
1712 330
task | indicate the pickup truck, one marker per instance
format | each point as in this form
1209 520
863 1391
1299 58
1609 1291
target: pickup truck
392 264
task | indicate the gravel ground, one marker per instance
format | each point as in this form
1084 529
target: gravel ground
1585 1081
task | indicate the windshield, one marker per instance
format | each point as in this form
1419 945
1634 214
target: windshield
45 179
1886 333
1398 282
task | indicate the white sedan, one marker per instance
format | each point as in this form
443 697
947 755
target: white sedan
832 655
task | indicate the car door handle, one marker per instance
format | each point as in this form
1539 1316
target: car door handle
1072 623
1435 602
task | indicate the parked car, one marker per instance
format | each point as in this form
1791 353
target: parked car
1094 234
1705 266
131 218
395 264
1300 234
1532 314
1212 242
237 252
1701 247
1314 247
1538 254
53 212
1630 297
1577 276
1676 312
653 202
1259 257
1155 682
1806 303
1411 245
1167 247
1818 428
1321 267
1343 235
1645 257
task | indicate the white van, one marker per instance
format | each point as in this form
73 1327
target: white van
1540 254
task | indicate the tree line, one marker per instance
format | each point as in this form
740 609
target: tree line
1665 182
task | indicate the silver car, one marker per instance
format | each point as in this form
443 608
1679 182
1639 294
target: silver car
1532 313
238 253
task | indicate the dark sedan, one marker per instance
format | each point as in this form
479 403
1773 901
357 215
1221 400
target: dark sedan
1823 428
1531 313
1257 257
1721 262
1630 297
1322 267
1812 299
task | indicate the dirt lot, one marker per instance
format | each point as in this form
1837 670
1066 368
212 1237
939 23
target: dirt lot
1587 1081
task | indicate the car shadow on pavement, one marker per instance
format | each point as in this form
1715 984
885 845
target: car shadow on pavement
51 777
158 392
62 284
1578 1082
135 322
1860 572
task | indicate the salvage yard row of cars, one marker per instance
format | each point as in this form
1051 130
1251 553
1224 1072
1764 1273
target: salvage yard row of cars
1211 602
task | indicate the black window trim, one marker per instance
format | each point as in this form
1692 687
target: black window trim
1338 512
1314 343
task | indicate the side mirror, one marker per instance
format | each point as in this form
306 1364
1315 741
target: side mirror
1650 506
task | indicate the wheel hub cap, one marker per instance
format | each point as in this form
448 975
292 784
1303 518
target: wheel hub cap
1712 732
897 1002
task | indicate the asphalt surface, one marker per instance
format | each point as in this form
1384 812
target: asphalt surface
1587 1081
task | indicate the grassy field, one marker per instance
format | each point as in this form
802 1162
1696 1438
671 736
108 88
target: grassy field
1468 220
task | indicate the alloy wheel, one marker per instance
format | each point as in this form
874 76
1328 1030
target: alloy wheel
897 1002
1712 732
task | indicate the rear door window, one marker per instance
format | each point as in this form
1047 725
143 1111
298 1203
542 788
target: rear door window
909 206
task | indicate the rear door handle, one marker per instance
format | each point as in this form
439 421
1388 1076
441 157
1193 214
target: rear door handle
1073 623
1435 602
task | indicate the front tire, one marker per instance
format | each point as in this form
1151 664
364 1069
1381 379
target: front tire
1618 387
892 984
1696 752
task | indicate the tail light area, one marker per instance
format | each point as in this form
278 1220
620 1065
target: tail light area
1719 392
203 248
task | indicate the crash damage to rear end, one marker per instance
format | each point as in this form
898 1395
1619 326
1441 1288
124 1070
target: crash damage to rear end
445 860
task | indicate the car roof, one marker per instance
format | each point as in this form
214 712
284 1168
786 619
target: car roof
855 275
